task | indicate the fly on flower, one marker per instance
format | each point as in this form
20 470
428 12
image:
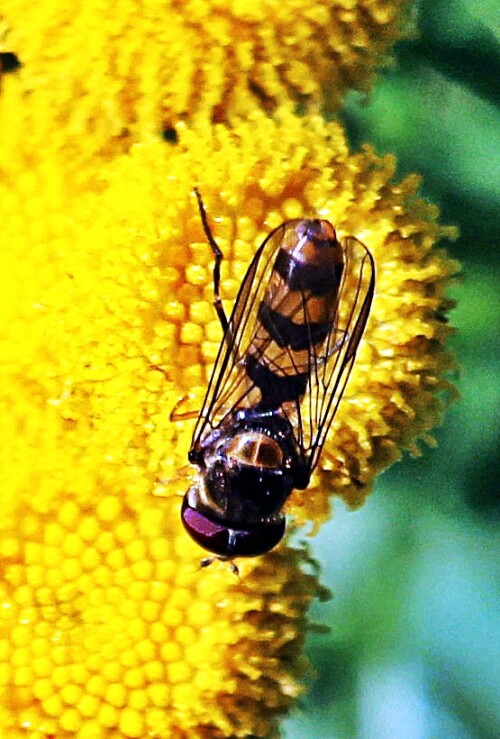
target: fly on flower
282 368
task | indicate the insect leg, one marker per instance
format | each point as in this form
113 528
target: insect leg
179 415
219 256
207 561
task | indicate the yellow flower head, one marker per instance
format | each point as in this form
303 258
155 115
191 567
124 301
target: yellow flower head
99 76
109 627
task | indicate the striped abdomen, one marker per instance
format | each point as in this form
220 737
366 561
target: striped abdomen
297 312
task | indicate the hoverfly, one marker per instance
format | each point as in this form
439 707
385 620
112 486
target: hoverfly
283 365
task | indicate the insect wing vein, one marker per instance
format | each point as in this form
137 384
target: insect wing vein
230 384
326 387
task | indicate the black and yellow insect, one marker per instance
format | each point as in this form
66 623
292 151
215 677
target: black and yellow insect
282 368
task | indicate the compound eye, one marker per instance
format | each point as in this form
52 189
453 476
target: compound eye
219 538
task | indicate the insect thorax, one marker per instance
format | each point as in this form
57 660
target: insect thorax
246 473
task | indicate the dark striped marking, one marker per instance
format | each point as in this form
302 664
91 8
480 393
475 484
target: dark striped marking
275 389
316 279
285 332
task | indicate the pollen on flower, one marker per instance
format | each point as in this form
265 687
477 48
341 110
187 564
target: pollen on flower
261 54
191 333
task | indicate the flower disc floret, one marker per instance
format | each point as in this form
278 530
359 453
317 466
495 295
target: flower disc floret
101 76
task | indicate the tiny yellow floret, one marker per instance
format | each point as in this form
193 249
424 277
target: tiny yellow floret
131 723
108 508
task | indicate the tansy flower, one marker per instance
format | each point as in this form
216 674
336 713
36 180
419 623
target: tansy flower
109 627
99 76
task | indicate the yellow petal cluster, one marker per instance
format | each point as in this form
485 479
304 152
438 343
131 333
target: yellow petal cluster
99 76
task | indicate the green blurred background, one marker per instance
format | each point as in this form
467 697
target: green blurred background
413 650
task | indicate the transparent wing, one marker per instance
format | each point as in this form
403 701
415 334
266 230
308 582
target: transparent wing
230 387
329 368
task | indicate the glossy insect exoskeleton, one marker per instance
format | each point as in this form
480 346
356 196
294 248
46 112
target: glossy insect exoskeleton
282 367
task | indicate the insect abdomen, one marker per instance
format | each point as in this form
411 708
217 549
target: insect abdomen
297 312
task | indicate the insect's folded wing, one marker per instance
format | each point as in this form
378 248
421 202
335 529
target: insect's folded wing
230 386
331 366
